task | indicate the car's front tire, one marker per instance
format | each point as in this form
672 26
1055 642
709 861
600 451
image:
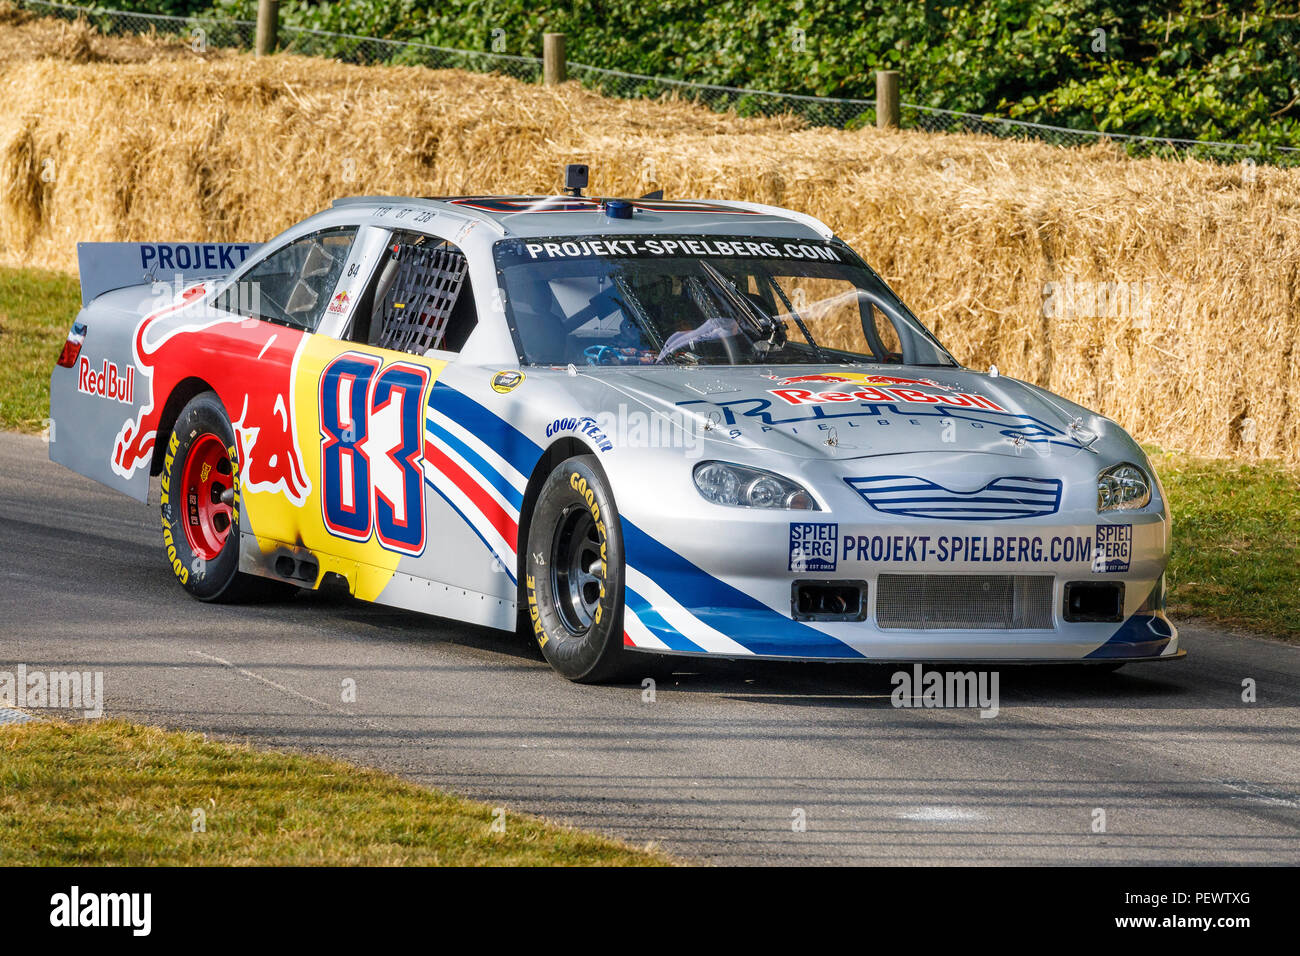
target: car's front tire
573 574
201 507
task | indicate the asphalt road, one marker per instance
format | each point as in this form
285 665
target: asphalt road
716 767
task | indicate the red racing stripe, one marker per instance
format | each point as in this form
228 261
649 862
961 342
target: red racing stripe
506 526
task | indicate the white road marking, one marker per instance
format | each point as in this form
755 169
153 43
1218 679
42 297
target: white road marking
940 815
270 683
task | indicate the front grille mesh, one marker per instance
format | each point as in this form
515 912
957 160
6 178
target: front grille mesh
923 602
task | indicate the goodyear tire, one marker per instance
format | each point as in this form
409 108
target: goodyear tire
573 574
200 506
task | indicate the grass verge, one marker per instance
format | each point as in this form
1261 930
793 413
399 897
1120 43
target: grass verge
36 311
1236 556
112 792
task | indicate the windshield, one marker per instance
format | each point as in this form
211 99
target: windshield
659 300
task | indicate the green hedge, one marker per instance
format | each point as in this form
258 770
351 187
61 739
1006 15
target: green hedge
1193 69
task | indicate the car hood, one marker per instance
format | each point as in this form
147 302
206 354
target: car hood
780 409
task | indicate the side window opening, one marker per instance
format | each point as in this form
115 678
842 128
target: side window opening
292 285
420 298
882 334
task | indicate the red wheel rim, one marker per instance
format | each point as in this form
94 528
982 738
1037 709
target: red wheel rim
208 496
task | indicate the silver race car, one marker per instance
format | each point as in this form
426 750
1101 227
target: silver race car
625 427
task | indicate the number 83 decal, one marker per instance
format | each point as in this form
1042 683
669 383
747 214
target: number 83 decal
372 451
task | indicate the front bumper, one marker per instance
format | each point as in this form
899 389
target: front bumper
729 594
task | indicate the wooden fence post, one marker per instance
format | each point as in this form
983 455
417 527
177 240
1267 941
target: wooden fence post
268 15
888 113
553 72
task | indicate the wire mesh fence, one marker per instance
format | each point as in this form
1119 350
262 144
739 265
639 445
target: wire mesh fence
344 47
813 110
949 121
235 34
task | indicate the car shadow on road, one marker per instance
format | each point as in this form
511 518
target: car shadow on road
858 684
1158 684
407 627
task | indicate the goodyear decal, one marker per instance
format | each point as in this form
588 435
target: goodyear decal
579 484
169 541
535 614
585 425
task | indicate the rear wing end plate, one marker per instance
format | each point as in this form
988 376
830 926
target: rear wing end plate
105 266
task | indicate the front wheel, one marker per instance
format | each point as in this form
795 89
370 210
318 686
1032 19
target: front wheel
200 506
573 574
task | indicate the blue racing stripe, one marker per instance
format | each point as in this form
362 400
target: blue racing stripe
726 609
1142 635
498 434
493 477
661 629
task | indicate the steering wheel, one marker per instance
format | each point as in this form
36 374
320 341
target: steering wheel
729 346
614 355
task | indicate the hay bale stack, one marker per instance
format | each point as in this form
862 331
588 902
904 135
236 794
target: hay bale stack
1163 294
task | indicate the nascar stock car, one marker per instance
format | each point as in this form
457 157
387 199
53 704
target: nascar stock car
619 426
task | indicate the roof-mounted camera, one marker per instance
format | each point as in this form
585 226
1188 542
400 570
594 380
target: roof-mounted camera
575 178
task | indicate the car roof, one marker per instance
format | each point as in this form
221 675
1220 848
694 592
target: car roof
539 216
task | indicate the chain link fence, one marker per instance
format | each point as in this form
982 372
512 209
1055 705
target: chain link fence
948 121
813 110
344 47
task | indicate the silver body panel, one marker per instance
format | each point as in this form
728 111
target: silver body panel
702 578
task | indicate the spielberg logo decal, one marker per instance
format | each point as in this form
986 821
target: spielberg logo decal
814 545
1114 551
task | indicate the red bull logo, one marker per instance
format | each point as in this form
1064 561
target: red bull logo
250 364
886 389
859 378
339 303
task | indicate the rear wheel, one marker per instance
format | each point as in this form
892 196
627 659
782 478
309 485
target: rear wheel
200 506
573 574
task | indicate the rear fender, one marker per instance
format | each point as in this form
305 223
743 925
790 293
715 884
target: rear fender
103 388
102 419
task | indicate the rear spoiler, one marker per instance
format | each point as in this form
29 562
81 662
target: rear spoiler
105 266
